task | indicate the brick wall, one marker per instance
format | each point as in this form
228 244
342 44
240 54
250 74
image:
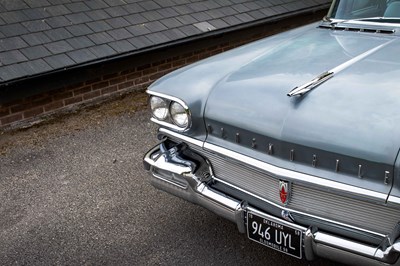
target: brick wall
32 110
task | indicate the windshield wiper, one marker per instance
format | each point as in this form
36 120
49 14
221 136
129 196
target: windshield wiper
369 19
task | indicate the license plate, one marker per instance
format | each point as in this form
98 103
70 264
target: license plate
274 234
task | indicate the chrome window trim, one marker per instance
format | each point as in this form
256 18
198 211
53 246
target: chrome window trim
169 124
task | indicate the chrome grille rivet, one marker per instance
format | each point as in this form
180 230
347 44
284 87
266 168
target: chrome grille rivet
387 177
209 128
222 132
237 138
291 155
359 171
337 166
314 161
253 143
270 149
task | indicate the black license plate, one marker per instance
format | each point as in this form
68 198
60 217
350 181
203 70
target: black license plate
275 235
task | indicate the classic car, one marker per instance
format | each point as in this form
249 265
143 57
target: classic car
295 137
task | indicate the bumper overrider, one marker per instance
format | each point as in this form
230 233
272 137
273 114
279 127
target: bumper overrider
178 170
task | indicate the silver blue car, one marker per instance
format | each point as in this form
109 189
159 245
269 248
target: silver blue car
295 138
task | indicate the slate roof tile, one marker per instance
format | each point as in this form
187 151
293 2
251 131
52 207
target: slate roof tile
10 30
58 10
135 19
116 11
36 38
149 5
78 18
99 26
59 61
98 14
36 25
77 7
58 22
43 35
117 23
12 57
35 66
100 38
58 34
96 4
122 46
140 42
82 55
59 47
38 3
80 42
36 13
14 17
12 43
155 26
103 50
78 30
152 15
35 52
10 5
138 30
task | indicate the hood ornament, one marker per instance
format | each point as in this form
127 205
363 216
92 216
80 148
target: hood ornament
303 89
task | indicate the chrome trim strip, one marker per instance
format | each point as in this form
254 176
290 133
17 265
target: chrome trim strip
280 172
162 95
298 212
304 178
169 124
190 140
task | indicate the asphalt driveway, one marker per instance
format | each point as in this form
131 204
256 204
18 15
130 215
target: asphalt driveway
74 192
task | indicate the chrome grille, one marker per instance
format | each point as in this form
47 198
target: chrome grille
327 205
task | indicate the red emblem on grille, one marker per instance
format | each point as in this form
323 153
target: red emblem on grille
284 191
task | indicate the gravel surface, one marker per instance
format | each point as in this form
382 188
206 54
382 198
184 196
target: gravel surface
73 191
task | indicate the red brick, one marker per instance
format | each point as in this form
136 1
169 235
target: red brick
134 75
125 85
89 82
110 76
192 59
148 71
156 76
141 80
118 80
73 100
158 63
42 101
91 95
63 95
4 111
10 119
178 63
82 90
33 112
109 89
21 107
164 67
53 106
100 85
139 68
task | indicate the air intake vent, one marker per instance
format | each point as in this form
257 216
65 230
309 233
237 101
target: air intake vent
356 29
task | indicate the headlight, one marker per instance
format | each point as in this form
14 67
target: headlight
159 107
179 115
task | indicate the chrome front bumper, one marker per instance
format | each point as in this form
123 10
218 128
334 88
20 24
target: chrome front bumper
190 179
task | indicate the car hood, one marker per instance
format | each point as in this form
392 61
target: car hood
347 124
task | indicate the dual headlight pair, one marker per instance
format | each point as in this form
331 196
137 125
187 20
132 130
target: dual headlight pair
170 112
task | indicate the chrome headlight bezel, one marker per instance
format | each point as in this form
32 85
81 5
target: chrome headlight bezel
169 121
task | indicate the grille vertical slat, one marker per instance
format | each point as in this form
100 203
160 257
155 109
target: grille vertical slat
327 205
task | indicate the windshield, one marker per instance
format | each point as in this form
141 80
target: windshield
365 9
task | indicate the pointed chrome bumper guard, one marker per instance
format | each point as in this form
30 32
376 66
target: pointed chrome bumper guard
188 180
